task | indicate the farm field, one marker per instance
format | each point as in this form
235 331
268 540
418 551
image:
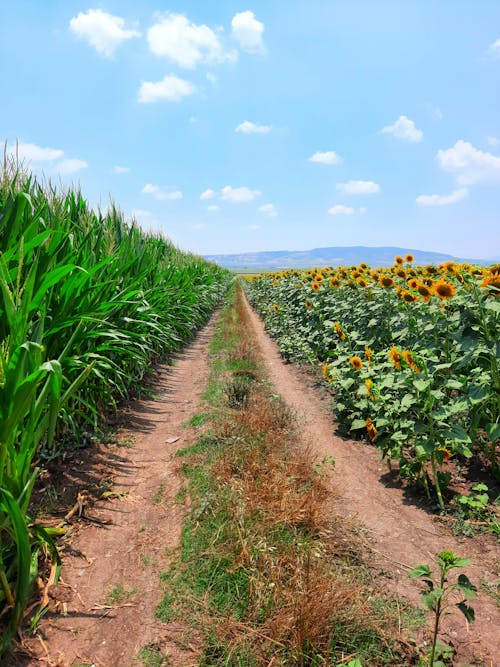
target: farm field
87 304
201 545
412 356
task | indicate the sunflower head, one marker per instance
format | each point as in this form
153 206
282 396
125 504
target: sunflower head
368 354
410 361
398 260
386 281
408 297
444 289
424 292
492 283
356 363
315 285
409 258
326 374
395 357
413 283
276 308
371 430
401 273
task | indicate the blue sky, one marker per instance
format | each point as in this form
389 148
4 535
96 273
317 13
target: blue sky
270 125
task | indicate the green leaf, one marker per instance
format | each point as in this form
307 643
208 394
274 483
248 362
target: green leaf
432 598
420 571
467 611
421 385
465 586
357 424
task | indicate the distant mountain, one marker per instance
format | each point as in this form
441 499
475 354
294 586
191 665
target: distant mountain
303 259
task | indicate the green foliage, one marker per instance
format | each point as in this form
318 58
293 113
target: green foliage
87 303
420 377
439 595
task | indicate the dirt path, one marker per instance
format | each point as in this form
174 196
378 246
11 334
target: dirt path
145 522
399 534
133 549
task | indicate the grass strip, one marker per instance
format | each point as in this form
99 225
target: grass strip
264 570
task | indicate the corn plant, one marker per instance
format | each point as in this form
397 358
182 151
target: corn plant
87 303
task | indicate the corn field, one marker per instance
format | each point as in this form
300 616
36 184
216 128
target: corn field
412 355
87 304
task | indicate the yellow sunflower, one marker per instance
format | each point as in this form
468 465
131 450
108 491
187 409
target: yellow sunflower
409 258
410 361
395 357
386 281
371 429
444 289
276 308
356 363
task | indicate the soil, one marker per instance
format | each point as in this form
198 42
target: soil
140 524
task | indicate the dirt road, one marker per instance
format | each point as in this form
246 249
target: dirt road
125 556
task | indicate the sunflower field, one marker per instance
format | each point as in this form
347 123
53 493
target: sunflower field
412 354
87 304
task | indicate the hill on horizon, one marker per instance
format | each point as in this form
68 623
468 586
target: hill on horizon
333 256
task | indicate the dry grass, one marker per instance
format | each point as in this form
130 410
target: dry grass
270 522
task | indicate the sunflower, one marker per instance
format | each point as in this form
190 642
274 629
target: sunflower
409 258
369 393
371 430
368 354
446 453
334 282
276 308
315 285
340 332
493 282
413 283
307 305
408 297
424 292
386 281
398 260
318 277
450 267
401 273
410 361
444 290
356 363
395 357
326 374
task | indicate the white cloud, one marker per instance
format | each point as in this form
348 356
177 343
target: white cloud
442 200
268 209
185 43
32 152
358 187
238 195
103 31
247 127
404 128
493 141
171 88
339 209
254 228
212 78
159 193
121 170
207 194
52 158
248 31
70 166
495 48
471 165
213 207
326 157
193 120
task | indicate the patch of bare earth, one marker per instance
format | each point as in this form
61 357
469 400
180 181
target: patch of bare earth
398 533
103 612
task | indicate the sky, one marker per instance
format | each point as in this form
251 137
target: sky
266 124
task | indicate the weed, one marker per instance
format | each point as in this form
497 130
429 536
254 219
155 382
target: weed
152 656
158 497
119 594
439 595
198 420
